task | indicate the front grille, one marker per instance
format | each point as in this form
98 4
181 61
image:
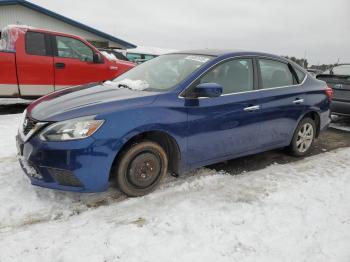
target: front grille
28 125
64 177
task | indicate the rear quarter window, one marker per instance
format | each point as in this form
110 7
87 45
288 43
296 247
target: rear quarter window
301 75
35 44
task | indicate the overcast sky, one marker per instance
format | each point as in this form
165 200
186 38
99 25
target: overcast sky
320 29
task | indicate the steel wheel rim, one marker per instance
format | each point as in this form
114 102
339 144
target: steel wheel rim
305 137
144 170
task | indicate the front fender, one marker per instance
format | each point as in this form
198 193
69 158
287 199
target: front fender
120 127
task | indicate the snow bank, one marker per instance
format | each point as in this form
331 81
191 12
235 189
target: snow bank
14 101
293 212
8 130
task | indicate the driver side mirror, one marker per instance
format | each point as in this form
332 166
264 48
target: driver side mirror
97 58
207 90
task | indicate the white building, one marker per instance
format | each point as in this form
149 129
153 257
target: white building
26 13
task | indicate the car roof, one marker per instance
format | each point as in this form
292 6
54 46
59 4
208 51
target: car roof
221 52
34 29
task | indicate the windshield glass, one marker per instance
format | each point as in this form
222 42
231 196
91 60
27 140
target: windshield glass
341 70
161 73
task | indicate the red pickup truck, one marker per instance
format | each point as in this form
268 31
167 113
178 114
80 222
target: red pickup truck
35 62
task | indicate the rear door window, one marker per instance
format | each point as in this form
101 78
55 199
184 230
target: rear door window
234 76
36 44
275 74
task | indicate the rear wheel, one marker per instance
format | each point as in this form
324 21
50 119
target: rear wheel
304 137
141 168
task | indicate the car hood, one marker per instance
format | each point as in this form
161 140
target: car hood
86 100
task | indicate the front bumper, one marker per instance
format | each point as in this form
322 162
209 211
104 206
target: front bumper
81 165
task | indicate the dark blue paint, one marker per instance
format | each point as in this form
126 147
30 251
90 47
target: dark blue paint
206 130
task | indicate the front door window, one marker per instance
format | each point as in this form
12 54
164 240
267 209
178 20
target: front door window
234 76
72 48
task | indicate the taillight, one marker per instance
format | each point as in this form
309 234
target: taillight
329 93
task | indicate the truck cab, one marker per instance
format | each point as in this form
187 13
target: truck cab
35 62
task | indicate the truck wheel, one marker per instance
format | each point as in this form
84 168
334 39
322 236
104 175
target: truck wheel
141 168
303 138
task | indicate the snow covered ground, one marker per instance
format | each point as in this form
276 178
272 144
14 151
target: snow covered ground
14 101
293 212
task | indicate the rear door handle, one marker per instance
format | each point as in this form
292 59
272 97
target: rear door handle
60 65
298 101
252 108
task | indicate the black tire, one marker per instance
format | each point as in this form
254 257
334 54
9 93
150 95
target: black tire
141 168
301 146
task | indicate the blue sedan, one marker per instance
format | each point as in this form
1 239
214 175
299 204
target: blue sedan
172 114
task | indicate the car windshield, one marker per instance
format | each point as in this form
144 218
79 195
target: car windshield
341 70
161 73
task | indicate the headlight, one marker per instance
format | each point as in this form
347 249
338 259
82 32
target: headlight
72 129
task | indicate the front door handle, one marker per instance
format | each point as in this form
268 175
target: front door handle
298 101
60 65
252 108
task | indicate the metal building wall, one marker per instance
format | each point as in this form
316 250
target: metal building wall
16 14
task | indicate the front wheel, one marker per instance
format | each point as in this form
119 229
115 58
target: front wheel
141 168
303 138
